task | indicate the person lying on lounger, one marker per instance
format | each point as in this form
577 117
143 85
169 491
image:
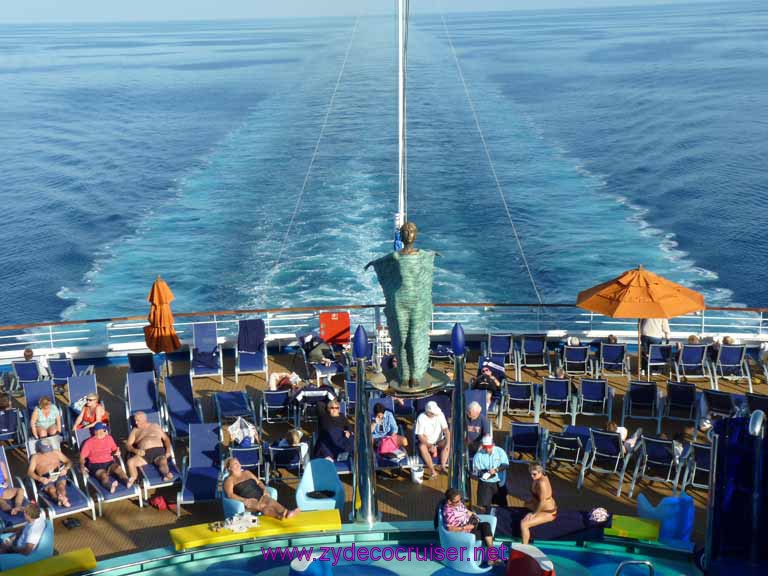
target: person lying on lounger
244 486
542 505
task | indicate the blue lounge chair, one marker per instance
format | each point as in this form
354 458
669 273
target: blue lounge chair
440 351
656 462
659 356
557 398
692 363
527 440
478 396
318 369
320 475
183 409
605 455
26 371
250 458
612 358
718 404
305 402
231 405
200 479
521 398
698 467
12 429
33 391
500 348
141 395
731 363
564 448
78 499
443 401
643 402
275 406
102 494
251 350
682 403
471 551
78 388
205 352
595 398
576 360
144 362
62 369
286 458
534 352
232 507
6 519
43 550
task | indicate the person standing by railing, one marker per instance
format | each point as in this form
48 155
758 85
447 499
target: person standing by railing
654 331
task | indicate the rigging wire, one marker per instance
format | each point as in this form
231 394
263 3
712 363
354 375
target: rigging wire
296 208
490 162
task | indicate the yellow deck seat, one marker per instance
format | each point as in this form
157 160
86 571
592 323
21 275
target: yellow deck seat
61 565
633 527
314 521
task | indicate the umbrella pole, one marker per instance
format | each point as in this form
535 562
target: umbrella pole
639 349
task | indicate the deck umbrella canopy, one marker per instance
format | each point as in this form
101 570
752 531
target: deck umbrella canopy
160 335
640 294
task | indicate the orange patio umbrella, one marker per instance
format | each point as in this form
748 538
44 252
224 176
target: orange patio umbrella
160 335
640 294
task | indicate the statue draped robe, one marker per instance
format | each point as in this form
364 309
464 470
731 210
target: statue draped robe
406 280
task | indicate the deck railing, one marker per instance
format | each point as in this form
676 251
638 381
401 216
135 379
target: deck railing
114 336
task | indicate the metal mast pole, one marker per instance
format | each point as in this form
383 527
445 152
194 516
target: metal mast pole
402 164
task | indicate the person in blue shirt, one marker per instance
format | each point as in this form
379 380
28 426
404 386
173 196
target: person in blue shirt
490 467
477 427
385 425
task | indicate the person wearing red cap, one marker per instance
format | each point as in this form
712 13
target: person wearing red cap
97 457
490 467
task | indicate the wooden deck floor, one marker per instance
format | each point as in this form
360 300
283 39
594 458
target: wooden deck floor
126 528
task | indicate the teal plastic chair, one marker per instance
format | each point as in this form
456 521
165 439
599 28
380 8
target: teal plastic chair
464 541
320 474
234 507
44 550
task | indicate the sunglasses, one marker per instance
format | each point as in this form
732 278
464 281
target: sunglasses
333 407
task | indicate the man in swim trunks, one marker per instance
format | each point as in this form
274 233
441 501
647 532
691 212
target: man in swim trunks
149 445
48 467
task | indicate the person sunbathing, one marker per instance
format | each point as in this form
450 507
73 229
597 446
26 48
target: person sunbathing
246 487
49 467
46 419
542 505
150 445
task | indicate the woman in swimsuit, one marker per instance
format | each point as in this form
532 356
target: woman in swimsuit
92 412
244 486
542 504
46 419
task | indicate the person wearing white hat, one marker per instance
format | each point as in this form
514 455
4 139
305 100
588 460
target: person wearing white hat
433 436
490 467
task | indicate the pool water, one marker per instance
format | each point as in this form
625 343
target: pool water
568 561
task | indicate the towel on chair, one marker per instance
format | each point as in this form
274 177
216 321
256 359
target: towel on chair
250 336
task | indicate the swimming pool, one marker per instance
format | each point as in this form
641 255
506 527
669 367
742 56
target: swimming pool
569 560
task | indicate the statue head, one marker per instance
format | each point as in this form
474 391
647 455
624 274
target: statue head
408 233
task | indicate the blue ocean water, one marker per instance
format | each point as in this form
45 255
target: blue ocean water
619 137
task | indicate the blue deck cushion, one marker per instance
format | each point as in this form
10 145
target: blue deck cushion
251 361
233 404
142 392
153 476
76 498
569 525
181 403
120 493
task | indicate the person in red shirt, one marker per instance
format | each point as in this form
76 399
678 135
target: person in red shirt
97 457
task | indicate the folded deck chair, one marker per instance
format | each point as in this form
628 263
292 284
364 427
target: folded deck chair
557 398
6 519
183 409
659 356
522 398
62 369
143 362
612 358
657 462
697 467
692 363
141 395
200 480
595 398
205 352
251 349
102 494
78 389
275 406
731 363
79 500
576 360
534 352
564 449
527 439
12 429
643 402
606 455
682 403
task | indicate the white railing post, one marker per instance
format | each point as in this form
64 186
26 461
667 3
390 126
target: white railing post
50 337
703 321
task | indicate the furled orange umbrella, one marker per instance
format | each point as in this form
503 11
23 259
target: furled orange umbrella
160 335
640 294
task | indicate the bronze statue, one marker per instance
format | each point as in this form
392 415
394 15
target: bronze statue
406 279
